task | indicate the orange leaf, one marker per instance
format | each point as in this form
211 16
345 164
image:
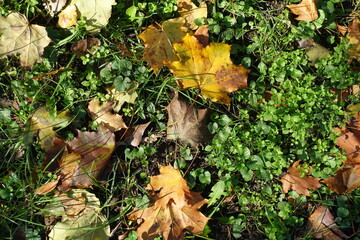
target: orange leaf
306 10
322 225
208 68
292 180
173 208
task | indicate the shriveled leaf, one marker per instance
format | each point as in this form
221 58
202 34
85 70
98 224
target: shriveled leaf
18 36
322 225
173 208
81 217
95 149
119 98
48 187
209 69
189 11
82 47
68 16
187 123
306 10
293 180
134 134
54 6
354 39
102 113
158 42
44 123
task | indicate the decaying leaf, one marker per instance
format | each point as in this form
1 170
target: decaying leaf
187 123
81 217
103 114
293 180
209 69
43 123
306 10
119 98
82 47
354 39
202 35
95 149
96 12
314 51
189 12
20 37
173 208
158 42
68 16
322 225
54 6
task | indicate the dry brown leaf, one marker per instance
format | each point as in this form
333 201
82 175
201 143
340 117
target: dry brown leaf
47 187
189 12
82 47
133 135
173 208
187 123
322 225
292 180
102 113
350 142
158 42
202 35
209 69
306 10
95 149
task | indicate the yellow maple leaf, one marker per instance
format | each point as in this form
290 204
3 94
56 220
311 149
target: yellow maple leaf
173 207
158 42
306 10
208 68
189 12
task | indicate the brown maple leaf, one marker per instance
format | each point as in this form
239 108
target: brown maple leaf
292 180
187 123
306 10
322 225
354 39
173 208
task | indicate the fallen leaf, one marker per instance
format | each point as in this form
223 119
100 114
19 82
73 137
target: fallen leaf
173 208
119 98
102 114
322 225
49 73
81 217
133 135
314 51
209 69
95 149
189 12
96 12
306 10
68 16
293 180
158 42
187 123
54 6
20 37
354 39
82 47
43 123
202 35
47 187
350 142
